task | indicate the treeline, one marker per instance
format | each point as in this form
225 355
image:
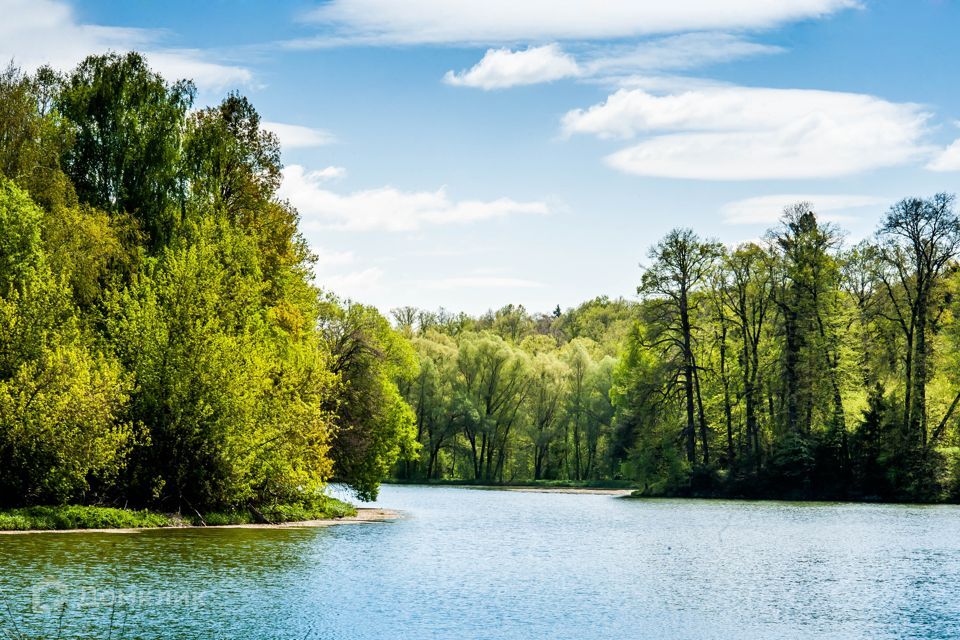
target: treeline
161 341
511 396
795 366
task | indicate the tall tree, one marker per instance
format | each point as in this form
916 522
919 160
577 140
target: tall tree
681 265
748 296
919 238
127 124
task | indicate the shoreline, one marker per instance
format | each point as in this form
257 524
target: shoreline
365 515
597 491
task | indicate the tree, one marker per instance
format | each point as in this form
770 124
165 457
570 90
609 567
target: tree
748 296
32 136
62 433
494 379
431 394
681 265
375 427
548 387
127 125
918 240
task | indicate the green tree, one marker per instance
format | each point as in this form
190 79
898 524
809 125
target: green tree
681 265
375 427
127 125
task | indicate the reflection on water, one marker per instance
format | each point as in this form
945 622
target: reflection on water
491 564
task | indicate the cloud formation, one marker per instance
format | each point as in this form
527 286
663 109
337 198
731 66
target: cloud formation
508 21
767 210
295 136
38 32
684 51
947 160
741 133
387 208
502 68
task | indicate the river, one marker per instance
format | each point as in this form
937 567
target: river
470 563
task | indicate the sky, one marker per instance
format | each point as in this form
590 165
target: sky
467 155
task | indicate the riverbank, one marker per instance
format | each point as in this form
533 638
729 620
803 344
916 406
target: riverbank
613 487
91 518
598 491
363 515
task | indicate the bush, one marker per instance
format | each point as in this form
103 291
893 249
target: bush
79 517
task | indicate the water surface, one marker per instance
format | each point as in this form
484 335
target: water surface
467 563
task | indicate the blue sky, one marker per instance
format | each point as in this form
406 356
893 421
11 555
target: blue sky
468 155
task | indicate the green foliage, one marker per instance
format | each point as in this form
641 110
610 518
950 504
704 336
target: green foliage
773 352
375 427
61 400
323 508
43 518
161 342
21 251
79 517
507 398
232 403
127 124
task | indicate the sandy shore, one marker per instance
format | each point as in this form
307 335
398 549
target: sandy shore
364 516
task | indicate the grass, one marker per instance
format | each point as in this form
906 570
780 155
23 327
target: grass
48 518
80 517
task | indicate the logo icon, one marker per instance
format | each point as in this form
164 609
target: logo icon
49 594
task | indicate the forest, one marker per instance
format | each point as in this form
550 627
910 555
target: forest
164 343
794 367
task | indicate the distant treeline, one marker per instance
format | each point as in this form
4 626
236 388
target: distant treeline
161 343
793 367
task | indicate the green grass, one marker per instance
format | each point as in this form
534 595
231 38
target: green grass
48 518
80 517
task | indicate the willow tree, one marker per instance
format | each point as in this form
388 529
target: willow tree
494 379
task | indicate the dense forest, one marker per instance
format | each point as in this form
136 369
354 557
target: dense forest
794 367
163 342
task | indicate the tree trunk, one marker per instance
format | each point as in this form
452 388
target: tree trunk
688 378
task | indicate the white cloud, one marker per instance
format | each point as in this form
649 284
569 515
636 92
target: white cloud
330 173
685 51
506 21
38 32
387 208
740 133
947 160
768 209
481 282
295 136
501 68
